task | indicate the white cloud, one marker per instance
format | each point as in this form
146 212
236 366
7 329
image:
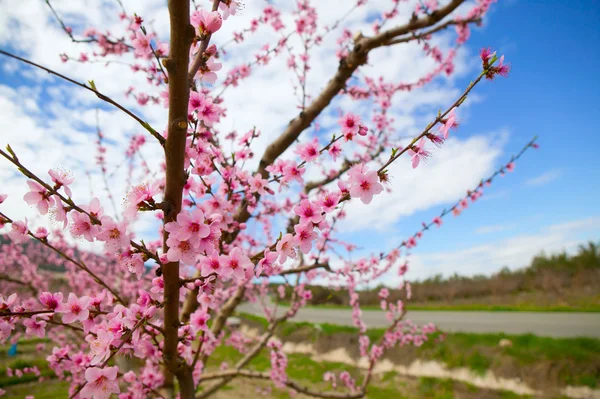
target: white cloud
544 178
514 252
443 179
495 228
51 123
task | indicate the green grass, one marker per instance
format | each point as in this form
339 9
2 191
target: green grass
51 389
27 356
571 361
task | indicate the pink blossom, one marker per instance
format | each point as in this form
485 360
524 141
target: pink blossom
39 196
134 262
510 166
365 185
350 124
308 152
5 304
210 264
35 327
335 150
82 226
328 201
235 263
18 232
3 197
199 320
418 152
308 212
181 250
437 221
206 22
100 346
51 301
141 45
229 7
41 233
266 263
76 309
114 235
259 185
285 248
101 383
61 179
189 226
449 123
305 234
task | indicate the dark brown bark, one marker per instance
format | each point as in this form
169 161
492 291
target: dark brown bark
176 64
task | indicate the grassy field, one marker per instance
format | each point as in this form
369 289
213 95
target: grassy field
540 362
301 368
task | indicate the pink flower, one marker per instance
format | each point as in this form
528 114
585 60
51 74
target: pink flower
206 22
18 232
76 309
51 301
308 212
181 250
417 152
305 234
3 197
229 7
5 304
114 235
144 193
235 264
210 264
134 262
259 185
365 185
486 55
141 45
41 233
39 196
437 221
335 150
350 124
189 226
328 201
100 346
502 69
510 166
82 226
266 263
35 327
308 152
59 212
61 179
101 383
198 320
285 248
449 123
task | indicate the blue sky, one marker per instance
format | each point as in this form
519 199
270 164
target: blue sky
549 202
553 91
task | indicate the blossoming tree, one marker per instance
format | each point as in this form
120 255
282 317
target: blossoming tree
167 302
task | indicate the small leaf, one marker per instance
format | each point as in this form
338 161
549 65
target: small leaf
92 85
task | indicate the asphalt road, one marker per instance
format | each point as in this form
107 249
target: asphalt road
550 324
